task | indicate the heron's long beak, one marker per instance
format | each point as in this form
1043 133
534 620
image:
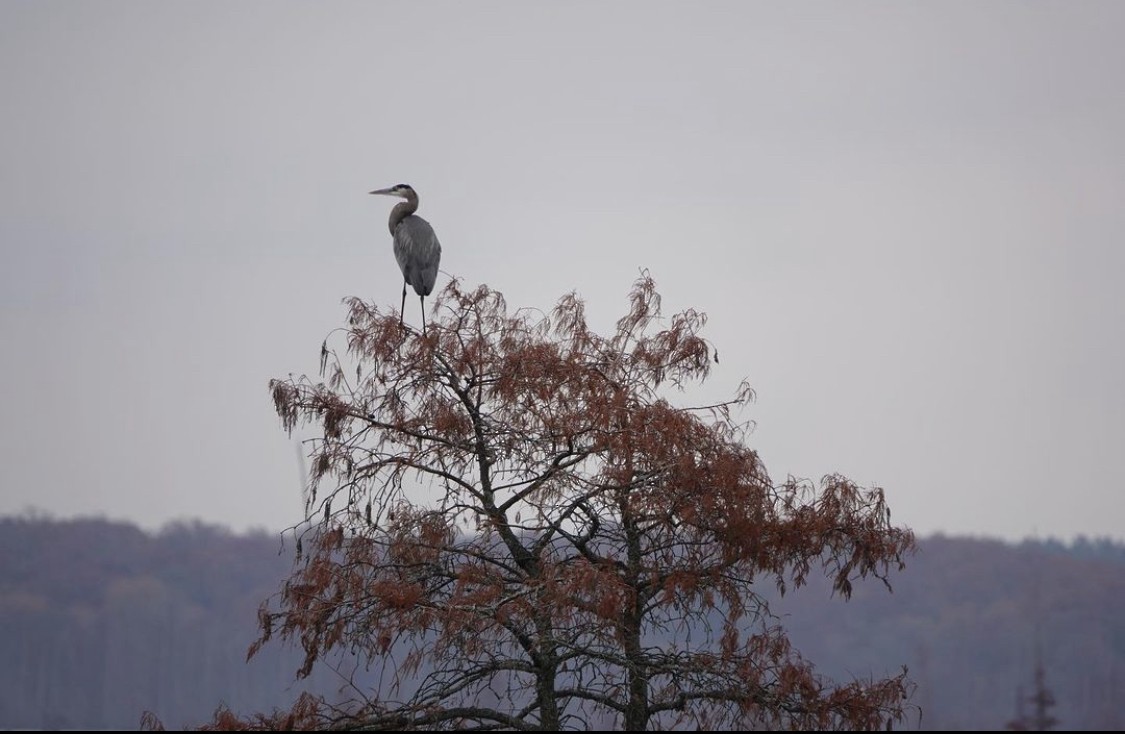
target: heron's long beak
385 192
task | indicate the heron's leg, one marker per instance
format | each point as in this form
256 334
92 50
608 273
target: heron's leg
422 300
402 308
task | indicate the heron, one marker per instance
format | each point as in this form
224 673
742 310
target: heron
417 249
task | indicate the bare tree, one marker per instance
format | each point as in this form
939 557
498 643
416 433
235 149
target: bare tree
510 517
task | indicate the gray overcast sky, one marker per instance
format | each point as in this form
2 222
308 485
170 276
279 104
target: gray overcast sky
904 221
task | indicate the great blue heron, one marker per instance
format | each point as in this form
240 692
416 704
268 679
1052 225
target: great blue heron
417 249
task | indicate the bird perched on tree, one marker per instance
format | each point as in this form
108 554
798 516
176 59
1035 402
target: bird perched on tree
417 249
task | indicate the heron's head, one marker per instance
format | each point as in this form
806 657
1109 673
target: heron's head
403 191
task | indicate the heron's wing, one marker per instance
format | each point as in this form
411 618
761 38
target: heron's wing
418 253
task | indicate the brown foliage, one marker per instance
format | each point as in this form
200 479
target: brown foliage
526 531
308 714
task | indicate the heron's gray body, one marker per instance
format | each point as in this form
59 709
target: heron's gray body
417 251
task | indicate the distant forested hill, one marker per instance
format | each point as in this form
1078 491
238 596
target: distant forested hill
102 621
967 617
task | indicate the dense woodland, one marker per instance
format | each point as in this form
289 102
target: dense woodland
103 622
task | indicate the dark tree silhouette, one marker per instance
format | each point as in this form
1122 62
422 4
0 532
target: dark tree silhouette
1041 700
510 520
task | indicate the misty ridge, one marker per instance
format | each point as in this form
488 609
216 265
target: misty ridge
104 621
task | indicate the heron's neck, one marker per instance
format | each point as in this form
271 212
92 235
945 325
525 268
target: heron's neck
401 211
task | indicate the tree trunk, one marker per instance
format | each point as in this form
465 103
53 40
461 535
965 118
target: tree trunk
636 707
547 665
